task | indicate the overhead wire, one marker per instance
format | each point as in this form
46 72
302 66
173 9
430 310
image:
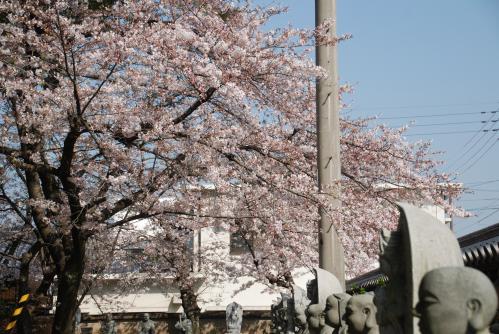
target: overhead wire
449 132
445 124
481 156
481 183
485 208
467 227
474 142
442 115
427 106
482 127
477 146
492 140
479 199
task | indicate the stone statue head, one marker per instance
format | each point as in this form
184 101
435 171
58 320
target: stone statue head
389 255
335 309
187 323
234 317
315 317
184 324
455 300
300 303
360 315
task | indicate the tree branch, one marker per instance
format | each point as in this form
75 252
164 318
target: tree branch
195 106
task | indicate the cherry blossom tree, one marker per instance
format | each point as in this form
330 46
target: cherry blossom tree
110 107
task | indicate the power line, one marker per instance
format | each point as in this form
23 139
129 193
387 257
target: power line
451 123
483 190
481 156
481 183
424 106
483 208
446 114
476 134
479 199
449 132
480 220
471 140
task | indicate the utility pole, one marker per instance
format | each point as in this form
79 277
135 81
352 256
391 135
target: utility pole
331 253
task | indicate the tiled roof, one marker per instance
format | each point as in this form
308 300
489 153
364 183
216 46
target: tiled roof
480 247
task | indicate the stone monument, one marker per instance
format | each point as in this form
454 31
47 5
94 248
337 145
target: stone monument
420 244
456 300
300 303
147 326
282 313
109 325
335 312
327 284
77 321
184 324
234 318
391 300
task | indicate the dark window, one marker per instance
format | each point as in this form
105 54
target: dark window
238 245
86 330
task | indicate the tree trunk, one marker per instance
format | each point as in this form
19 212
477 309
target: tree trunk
67 291
67 300
25 322
191 308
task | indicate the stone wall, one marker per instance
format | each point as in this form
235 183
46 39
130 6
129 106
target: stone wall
211 323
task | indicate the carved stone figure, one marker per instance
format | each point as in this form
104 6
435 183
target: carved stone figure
390 301
316 321
360 315
108 326
420 244
456 300
77 321
300 302
390 320
282 314
327 284
184 324
234 318
147 326
335 311
318 290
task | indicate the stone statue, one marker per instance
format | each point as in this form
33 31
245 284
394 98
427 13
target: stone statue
318 290
234 318
360 315
335 311
276 323
184 324
109 325
316 321
327 284
420 244
300 303
390 320
282 314
147 326
77 321
456 300
390 301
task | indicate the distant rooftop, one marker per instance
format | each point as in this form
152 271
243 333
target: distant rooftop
480 249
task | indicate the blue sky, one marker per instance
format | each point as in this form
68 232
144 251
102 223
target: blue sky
432 62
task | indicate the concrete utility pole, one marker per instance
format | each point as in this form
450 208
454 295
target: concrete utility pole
331 254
